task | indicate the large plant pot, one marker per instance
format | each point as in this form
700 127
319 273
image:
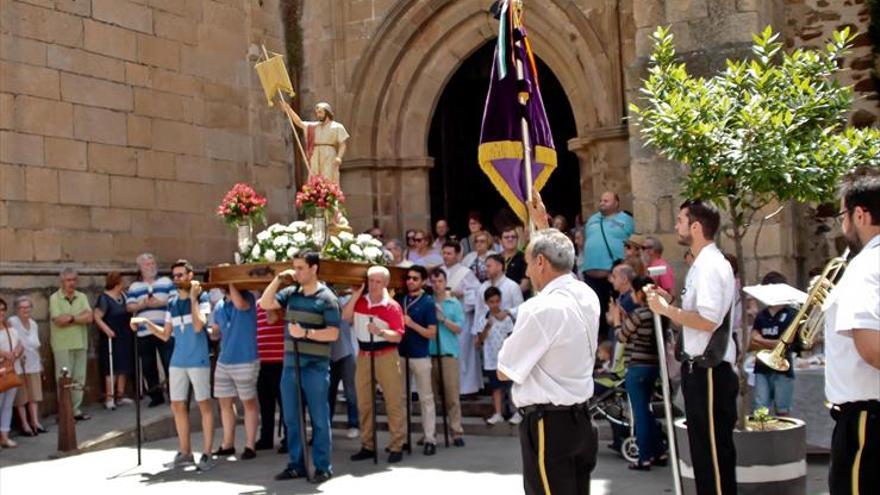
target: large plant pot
256 276
767 462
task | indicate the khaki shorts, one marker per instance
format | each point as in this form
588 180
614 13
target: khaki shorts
31 389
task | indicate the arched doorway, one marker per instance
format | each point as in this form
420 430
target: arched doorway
457 184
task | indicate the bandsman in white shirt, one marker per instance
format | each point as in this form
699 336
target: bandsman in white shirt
852 342
706 349
549 357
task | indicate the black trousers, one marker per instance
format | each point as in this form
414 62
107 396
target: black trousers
558 452
147 348
602 287
268 388
855 449
710 405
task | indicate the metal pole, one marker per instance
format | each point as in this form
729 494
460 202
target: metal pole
137 398
408 410
302 409
112 377
442 391
373 395
524 130
667 405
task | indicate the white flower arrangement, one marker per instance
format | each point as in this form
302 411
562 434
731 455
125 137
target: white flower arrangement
280 243
362 249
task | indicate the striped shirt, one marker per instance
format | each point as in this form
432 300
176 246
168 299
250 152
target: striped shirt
270 338
637 332
162 289
311 311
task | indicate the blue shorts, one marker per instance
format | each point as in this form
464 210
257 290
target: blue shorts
494 382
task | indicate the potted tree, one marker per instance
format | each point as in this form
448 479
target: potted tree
763 131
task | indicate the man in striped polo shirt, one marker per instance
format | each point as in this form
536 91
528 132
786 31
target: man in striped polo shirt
378 314
270 350
148 298
312 314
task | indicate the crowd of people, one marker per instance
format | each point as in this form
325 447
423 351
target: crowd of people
455 329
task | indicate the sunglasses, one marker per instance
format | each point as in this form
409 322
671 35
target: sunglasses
418 239
510 237
416 278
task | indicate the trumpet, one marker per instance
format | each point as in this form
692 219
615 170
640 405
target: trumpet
809 320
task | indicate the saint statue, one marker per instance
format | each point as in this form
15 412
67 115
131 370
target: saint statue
325 140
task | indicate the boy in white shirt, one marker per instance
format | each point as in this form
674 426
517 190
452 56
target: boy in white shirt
497 327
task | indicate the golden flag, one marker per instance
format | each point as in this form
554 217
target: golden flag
274 77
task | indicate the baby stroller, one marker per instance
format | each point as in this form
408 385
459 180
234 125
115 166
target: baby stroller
611 402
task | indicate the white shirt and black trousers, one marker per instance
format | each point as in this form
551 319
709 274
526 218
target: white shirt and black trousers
708 382
549 357
851 384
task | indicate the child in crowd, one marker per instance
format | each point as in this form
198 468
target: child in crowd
498 326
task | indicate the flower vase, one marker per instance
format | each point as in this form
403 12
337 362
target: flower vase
244 230
318 221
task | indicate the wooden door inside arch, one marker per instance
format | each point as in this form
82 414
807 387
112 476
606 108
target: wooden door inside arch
457 184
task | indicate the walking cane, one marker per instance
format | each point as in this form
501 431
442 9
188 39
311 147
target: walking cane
302 413
112 380
442 390
373 394
667 398
137 397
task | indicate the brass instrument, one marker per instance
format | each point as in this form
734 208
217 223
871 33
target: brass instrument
809 320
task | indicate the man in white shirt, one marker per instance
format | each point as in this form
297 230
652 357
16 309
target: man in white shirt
550 357
511 294
852 342
464 286
708 381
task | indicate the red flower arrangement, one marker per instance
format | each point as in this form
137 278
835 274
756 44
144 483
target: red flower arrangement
319 193
242 203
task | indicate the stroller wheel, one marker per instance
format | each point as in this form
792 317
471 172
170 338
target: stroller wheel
629 449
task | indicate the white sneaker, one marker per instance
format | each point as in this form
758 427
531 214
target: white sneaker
124 401
515 419
495 419
110 405
353 433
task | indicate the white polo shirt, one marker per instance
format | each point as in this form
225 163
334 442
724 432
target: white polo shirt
550 354
854 303
708 289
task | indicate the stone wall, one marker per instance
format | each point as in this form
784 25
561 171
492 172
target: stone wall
125 121
122 123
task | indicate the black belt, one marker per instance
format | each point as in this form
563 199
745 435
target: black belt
542 408
442 355
839 410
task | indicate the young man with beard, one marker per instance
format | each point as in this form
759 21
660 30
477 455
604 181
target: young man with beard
852 342
186 320
707 352
312 315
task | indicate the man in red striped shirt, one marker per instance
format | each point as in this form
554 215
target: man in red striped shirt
270 350
378 314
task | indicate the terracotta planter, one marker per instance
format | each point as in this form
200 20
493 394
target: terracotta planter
767 462
256 276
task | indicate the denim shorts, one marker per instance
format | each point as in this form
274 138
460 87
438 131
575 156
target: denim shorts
494 382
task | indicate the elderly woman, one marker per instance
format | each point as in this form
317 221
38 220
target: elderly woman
10 350
112 319
31 393
475 261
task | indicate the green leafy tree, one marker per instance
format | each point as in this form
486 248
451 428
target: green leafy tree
771 128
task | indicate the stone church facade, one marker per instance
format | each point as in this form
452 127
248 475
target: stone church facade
122 122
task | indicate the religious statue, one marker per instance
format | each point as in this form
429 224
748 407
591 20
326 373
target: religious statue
325 140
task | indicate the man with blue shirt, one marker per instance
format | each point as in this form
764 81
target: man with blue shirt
313 316
235 318
604 235
186 320
420 318
444 360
